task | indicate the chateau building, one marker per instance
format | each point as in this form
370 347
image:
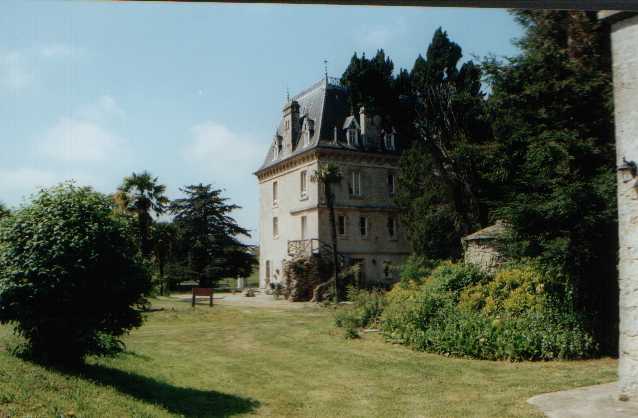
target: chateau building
318 127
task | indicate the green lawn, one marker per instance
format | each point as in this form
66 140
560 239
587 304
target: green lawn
278 362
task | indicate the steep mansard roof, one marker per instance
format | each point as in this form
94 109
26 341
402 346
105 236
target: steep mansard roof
325 103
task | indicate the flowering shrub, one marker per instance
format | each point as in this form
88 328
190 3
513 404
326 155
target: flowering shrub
463 312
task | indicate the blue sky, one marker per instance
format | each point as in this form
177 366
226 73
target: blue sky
93 91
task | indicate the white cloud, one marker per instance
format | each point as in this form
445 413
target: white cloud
21 68
380 36
221 150
20 183
15 71
78 140
59 51
85 136
104 110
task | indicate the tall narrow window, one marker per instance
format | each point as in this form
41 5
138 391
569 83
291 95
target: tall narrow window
355 184
341 225
275 227
267 271
306 138
363 226
304 184
392 227
304 227
352 136
391 184
275 192
389 141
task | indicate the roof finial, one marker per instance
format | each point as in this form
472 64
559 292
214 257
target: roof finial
325 69
287 94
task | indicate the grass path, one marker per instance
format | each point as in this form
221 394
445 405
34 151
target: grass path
277 362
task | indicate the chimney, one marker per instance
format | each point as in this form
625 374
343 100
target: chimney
362 120
291 124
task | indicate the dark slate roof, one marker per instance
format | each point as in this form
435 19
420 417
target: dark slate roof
495 231
326 104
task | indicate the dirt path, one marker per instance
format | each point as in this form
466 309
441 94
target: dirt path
259 300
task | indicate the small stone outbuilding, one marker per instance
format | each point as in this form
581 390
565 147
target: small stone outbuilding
482 247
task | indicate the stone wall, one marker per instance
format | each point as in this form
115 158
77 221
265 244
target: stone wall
483 254
625 74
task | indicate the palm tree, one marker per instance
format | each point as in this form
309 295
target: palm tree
140 194
328 175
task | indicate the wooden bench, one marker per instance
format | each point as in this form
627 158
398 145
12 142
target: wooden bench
203 291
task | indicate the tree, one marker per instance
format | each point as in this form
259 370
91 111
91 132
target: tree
328 175
370 84
555 161
71 279
164 238
140 194
441 182
211 234
4 211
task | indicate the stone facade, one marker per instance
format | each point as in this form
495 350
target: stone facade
481 247
624 37
316 128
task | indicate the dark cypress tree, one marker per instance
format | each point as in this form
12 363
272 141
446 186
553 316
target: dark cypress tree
440 184
552 114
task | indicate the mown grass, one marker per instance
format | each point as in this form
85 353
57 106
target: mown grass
243 361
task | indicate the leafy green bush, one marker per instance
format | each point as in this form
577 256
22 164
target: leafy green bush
513 291
368 304
366 308
415 269
454 277
459 311
410 311
71 279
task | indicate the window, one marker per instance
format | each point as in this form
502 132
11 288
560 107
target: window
391 184
306 138
275 227
277 146
388 140
363 226
341 225
355 184
392 227
352 136
304 225
387 269
267 271
275 197
304 184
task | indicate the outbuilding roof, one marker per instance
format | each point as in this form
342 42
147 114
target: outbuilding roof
491 232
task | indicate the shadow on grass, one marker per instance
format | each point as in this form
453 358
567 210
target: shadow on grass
178 400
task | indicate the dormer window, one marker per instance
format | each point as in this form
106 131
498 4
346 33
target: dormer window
352 136
276 148
308 128
389 141
352 130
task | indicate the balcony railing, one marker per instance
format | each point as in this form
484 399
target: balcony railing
303 247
